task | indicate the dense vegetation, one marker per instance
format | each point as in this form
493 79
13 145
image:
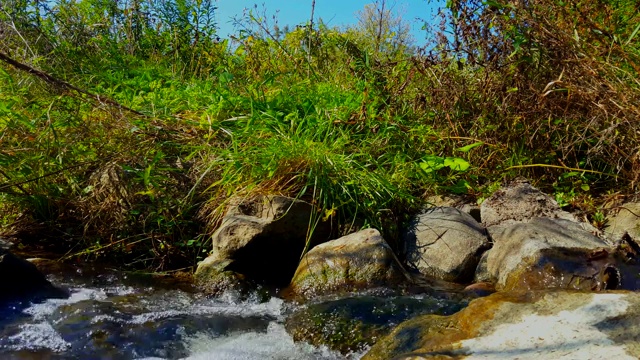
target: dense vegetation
125 127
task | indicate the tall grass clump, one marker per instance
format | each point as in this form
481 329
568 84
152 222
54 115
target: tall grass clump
311 158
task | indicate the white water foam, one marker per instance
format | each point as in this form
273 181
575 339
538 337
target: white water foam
565 335
275 343
42 310
271 308
46 308
38 336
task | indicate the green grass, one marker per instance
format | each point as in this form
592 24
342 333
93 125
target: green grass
364 135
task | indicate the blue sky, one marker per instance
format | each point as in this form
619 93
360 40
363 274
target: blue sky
333 12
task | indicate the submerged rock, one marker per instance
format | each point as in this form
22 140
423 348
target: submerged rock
261 239
445 243
480 289
360 260
519 202
536 325
352 324
21 279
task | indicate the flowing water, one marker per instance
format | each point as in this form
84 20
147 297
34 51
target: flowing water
111 316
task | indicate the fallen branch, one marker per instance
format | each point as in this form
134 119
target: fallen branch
9 185
63 84
560 167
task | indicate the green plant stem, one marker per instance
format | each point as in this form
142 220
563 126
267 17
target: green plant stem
560 167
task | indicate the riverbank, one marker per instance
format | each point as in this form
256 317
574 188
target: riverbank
127 149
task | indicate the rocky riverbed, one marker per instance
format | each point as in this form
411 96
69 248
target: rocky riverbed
538 282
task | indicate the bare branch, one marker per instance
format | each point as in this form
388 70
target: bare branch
63 84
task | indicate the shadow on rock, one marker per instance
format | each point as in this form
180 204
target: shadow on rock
20 282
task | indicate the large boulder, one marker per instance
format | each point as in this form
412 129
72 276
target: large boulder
519 202
356 261
554 253
626 219
445 243
261 239
21 279
535 325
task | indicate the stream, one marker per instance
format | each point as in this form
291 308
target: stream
111 315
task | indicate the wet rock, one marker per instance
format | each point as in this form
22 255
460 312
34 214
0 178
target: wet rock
213 277
552 253
354 323
21 279
480 289
519 202
4 244
261 239
537 325
625 220
445 243
357 261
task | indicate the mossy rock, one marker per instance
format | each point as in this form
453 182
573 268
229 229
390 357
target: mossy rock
351 324
358 261
213 277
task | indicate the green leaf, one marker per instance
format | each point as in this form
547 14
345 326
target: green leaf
456 164
584 187
432 163
461 187
471 146
633 34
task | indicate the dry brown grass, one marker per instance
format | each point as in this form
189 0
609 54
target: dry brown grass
550 89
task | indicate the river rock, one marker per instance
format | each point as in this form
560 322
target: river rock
482 271
626 219
213 277
463 203
350 324
356 261
261 239
21 279
536 325
445 243
5 244
519 202
554 253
